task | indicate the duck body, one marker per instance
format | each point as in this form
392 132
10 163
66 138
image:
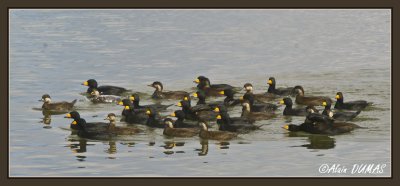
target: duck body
154 119
205 82
340 116
180 132
324 128
135 99
290 111
215 135
211 89
262 97
97 98
309 100
118 130
57 106
256 116
169 130
201 95
159 93
131 115
258 107
180 123
289 91
87 129
239 125
229 101
103 90
351 105
198 112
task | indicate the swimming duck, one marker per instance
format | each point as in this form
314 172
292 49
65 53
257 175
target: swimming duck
169 130
198 112
203 81
154 119
58 106
104 90
120 130
251 115
180 123
289 111
229 100
340 116
95 97
160 94
322 128
201 95
136 100
224 115
309 100
132 115
351 105
215 135
240 125
280 91
81 124
263 97
259 107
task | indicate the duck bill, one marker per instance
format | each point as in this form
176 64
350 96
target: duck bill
196 81
337 97
195 95
216 109
286 127
269 82
85 83
172 114
281 102
132 98
67 116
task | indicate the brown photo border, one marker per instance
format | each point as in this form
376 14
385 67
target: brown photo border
5 5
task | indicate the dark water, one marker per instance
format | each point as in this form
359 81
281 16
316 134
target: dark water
325 51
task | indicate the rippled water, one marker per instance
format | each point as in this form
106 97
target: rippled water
325 51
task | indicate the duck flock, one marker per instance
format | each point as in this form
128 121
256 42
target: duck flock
196 119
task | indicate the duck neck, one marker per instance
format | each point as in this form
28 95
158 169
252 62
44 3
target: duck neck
201 101
112 124
135 103
271 87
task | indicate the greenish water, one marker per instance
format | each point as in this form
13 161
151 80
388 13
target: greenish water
325 51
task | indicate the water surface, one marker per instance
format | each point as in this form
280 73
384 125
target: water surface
325 51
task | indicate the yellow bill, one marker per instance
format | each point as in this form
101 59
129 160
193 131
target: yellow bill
216 109
219 116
